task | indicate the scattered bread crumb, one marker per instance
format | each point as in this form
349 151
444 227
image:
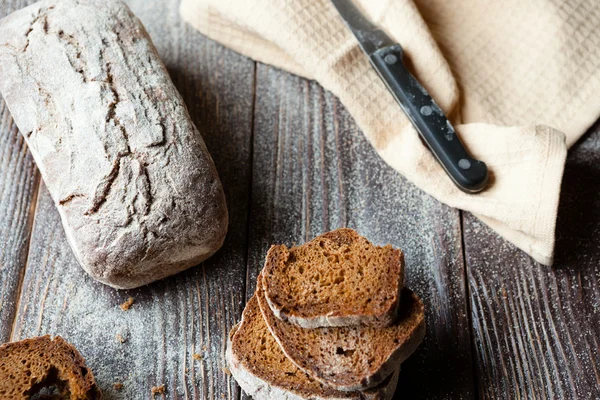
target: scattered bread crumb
226 370
118 386
197 357
158 390
204 348
120 338
127 305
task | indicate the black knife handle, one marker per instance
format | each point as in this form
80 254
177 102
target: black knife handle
469 174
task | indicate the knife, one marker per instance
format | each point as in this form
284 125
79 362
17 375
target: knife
469 174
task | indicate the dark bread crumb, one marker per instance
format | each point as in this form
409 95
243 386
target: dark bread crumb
354 357
158 390
35 366
118 386
127 305
253 347
336 279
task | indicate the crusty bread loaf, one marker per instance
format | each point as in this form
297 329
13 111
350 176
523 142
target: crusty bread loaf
137 191
337 279
350 358
44 367
265 373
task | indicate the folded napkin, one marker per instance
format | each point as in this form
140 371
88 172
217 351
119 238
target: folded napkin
518 79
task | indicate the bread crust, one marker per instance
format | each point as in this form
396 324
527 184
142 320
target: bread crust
334 321
336 299
331 366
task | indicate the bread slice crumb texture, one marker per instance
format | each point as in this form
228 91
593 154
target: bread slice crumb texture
264 372
43 366
350 358
337 279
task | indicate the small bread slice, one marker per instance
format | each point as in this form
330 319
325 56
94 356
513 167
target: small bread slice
42 367
336 279
265 373
353 357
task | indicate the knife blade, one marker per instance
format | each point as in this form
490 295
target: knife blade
386 55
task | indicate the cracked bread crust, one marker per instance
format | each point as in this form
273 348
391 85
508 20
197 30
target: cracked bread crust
137 191
350 358
31 364
337 279
265 373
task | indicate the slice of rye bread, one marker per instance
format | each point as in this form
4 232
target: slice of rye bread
45 367
336 279
352 357
265 373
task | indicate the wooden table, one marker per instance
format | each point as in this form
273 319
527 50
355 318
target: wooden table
294 165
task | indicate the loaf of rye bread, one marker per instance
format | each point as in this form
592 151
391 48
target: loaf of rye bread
264 372
38 367
353 357
136 189
337 279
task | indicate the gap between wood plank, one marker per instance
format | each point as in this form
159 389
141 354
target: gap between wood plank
251 163
254 85
474 368
34 202
468 301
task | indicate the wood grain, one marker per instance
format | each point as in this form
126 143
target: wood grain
19 181
537 329
314 171
186 315
308 169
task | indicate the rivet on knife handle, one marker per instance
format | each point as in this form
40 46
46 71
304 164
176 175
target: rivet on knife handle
468 174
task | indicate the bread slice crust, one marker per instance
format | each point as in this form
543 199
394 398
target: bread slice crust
337 279
31 364
264 372
350 358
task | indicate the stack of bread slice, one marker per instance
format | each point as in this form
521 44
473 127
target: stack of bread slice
330 319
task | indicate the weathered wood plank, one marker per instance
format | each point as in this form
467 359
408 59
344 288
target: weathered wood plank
19 181
314 171
537 329
187 314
